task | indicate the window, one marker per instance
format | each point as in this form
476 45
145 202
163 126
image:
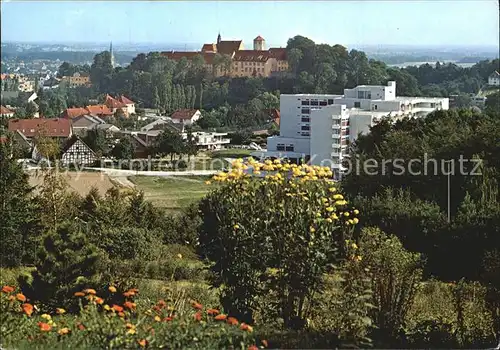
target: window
314 102
375 107
280 147
305 120
336 132
289 148
357 104
322 103
306 111
335 122
330 101
304 127
305 103
305 134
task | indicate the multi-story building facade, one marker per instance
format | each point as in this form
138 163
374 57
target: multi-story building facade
319 128
239 62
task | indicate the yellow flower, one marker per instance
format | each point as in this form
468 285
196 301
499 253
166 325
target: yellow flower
112 289
131 331
346 213
236 226
330 209
46 316
358 258
179 256
157 318
332 189
329 220
60 311
107 307
354 246
356 211
338 196
324 200
318 215
207 182
256 172
312 229
63 331
355 220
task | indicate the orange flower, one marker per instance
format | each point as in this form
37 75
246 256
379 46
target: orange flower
117 308
90 291
129 325
128 294
265 343
121 314
60 311
253 347
232 321
112 289
142 342
63 331
129 305
168 319
99 300
220 317
213 312
245 327
162 303
134 290
79 294
197 316
44 327
196 305
7 289
12 298
81 327
28 309
20 297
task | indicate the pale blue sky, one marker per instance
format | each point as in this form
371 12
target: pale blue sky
399 22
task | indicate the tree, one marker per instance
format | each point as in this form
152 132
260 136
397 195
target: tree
156 98
124 149
30 110
190 146
67 263
18 211
169 143
96 140
20 113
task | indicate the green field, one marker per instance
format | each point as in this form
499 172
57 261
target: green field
231 153
172 193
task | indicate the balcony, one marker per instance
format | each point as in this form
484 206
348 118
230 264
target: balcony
336 126
336 136
335 153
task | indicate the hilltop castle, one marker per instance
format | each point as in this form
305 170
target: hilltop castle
242 63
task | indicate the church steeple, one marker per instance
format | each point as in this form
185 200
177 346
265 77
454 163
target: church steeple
219 38
111 54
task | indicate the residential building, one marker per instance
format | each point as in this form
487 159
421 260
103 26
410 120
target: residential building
122 104
5 112
81 124
494 79
210 140
162 123
76 152
76 80
241 63
57 128
186 116
318 128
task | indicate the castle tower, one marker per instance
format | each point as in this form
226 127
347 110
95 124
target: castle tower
259 43
112 55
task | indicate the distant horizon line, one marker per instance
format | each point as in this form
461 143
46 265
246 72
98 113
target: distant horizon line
143 43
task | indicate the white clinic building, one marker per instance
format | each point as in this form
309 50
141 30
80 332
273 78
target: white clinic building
319 128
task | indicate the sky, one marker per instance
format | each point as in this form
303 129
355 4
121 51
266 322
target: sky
369 22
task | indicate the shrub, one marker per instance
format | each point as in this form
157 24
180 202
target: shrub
280 233
395 278
66 263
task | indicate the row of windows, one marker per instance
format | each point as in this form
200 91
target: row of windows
283 147
317 103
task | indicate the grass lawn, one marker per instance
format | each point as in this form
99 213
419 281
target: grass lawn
231 153
172 193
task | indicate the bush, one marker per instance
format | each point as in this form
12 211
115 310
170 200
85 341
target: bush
280 233
67 262
395 277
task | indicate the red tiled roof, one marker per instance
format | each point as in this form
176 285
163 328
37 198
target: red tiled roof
99 110
184 114
113 103
51 127
252 55
259 38
74 112
209 48
125 100
5 110
278 53
228 47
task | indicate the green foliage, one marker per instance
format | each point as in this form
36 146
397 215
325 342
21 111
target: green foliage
19 222
124 149
395 277
66 263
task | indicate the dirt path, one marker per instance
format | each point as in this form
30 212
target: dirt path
80 182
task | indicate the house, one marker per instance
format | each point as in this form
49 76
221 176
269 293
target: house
85 122
209 140
186 116
122 103
57 128
99 110
494 79
76 152
51 83
109 130
5 112
76 80
141 149
162 123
